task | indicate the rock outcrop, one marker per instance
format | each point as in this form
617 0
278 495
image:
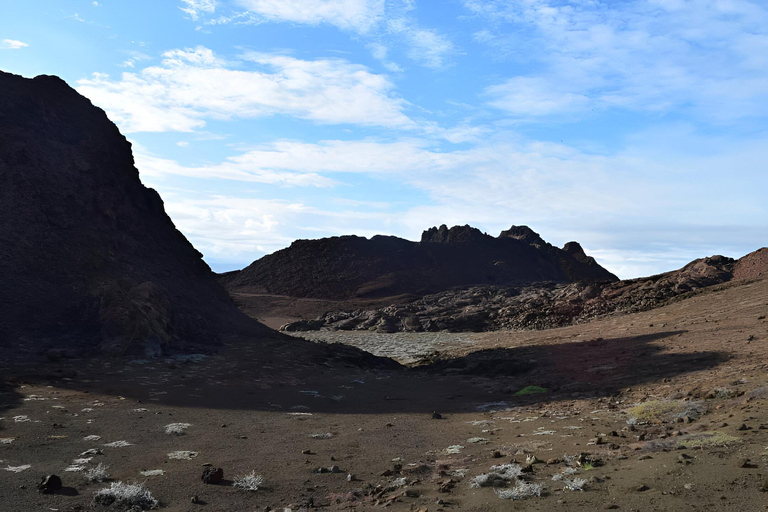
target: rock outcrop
539 306
351 266
88 257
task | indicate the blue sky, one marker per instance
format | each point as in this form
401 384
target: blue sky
638 128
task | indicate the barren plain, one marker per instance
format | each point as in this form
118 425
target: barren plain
660 410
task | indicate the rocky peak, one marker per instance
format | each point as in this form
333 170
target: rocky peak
456 234
524 234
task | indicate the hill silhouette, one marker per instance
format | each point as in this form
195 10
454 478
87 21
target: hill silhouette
352 266
89 258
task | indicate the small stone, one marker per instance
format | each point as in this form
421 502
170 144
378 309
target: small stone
351 477
746 464
644 457
528 468
195 500
642 488
48 484
335 469
412 493
212 475
496 454
437 416
307 452
743 427
611 506
553 461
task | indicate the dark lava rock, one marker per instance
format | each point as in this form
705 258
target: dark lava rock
212 475
351 266
89 258
49 484
541 305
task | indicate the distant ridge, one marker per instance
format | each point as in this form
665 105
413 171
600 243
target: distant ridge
351 266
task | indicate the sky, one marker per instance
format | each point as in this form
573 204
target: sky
638 128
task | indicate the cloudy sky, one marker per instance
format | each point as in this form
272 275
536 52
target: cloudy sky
638 128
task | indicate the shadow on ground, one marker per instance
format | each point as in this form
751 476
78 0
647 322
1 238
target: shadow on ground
274 374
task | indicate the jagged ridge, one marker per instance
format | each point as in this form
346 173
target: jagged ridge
352 266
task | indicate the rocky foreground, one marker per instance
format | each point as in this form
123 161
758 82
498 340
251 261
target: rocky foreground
660 410
538 306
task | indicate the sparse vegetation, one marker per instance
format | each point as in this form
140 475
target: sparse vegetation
658 411
531 390
177 429
577 484
522 490
122 496
97 473
250 482
499 476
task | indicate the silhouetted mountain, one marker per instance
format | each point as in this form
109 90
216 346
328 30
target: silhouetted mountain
352 266
88 257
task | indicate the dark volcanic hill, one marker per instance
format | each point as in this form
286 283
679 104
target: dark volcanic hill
351 266
88 257
540 306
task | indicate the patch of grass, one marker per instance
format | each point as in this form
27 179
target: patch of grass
531 390
655 411
707 439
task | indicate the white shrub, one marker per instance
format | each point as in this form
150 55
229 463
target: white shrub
177 428
499 476
521 491
97 474
250 482
577 484
118 444
126 496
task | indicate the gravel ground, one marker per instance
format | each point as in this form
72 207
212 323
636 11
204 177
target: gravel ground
404 347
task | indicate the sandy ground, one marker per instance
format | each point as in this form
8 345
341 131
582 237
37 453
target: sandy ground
697 368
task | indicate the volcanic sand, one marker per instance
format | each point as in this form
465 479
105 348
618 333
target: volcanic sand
698 367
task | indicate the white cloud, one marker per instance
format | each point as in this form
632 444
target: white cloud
425 46
529 96
12 44
612 204
194 8
243 168
191 86
355 15
708 56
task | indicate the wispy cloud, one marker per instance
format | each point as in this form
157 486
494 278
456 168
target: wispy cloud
12 44
371 19
356 15
607 202
707 57
196 8
193 85
426 46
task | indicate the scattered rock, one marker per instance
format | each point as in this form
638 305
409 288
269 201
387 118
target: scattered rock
49 484
212 475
